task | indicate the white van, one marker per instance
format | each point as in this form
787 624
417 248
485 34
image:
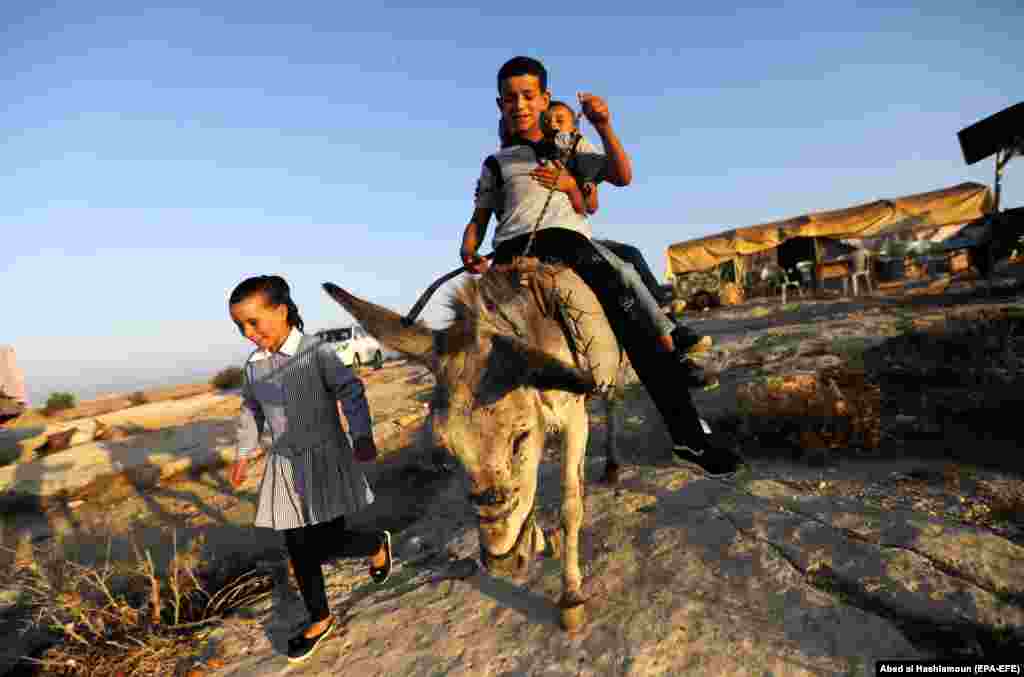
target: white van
355 347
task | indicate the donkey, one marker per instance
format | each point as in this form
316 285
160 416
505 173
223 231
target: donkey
525 348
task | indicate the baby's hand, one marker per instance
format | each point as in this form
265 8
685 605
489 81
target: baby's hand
554 174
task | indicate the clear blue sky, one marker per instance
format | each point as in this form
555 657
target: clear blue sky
154 156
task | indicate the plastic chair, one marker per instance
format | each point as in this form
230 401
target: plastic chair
787 283
806 271
861 271
773 274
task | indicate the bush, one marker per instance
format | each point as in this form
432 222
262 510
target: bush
228 379
59 402
138 398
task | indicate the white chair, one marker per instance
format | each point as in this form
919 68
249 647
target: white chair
806 271
861 271
787 283
775 272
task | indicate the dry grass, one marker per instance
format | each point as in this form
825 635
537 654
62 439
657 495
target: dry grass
963 366
832 408
129 619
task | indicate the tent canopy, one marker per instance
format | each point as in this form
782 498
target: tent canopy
941 212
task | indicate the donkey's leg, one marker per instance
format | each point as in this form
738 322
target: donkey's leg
575 440
612 466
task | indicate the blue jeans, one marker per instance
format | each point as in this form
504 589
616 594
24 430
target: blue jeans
632 255
643 294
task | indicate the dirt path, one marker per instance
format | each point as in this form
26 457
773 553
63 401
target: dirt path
787 571
790 570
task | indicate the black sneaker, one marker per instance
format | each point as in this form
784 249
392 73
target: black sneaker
301 648
688 341
715 460
696 376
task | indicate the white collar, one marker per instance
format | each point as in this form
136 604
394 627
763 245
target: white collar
289 347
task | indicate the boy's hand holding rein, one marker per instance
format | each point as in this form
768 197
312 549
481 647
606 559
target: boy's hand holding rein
473 262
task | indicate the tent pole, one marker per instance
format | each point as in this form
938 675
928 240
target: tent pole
1001 158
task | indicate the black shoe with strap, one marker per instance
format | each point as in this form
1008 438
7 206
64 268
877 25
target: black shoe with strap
301 648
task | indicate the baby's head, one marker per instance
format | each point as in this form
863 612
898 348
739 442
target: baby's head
263 310
561 117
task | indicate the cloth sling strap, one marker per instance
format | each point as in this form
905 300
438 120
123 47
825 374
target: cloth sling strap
494 167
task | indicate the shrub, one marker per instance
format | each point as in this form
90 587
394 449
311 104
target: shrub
59 402
228 379
831 408
137 398
130 617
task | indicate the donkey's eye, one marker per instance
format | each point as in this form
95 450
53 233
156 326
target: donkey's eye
518 443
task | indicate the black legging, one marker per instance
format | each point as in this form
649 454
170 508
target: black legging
662 374
309 547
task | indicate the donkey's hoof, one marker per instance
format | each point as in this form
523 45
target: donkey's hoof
572 618
612 474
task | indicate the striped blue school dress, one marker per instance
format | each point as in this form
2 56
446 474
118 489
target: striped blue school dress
311 475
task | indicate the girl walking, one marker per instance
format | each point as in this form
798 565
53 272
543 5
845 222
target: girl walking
292 385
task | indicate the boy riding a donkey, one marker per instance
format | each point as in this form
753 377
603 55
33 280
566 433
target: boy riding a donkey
530 340
560 234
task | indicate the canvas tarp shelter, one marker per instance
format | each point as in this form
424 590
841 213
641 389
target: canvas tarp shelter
939 212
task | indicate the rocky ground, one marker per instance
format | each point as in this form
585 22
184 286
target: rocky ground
813 562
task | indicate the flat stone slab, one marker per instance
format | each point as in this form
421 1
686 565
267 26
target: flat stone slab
144 459
153 415
685 576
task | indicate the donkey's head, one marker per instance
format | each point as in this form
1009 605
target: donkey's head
487 410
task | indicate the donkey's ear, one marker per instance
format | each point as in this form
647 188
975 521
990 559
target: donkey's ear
415 342
539 369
